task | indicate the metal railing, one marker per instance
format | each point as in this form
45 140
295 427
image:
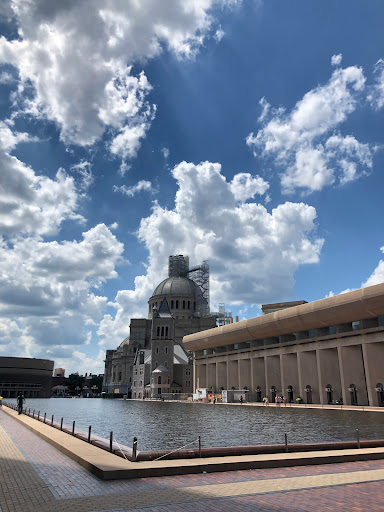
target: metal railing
133 455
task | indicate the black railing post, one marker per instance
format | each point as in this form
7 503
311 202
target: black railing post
52 421
45 415
111 442
61 424
286 442
38 416
199 446
73 428
134 449
358 438
89 433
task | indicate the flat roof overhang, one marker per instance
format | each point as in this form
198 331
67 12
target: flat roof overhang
347 307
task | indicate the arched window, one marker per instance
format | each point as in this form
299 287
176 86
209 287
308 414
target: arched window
157 350
166 350
183 304
353 391
162 330
171 304
189 304
329 390
177 304
159 379
158 331
166 332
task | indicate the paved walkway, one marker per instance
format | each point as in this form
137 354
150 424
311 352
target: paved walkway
34 476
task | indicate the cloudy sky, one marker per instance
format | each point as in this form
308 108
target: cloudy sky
246 133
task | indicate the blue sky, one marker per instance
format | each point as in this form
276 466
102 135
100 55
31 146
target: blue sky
246 133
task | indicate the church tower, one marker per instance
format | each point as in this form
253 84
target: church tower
162 337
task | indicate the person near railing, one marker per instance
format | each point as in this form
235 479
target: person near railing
20 400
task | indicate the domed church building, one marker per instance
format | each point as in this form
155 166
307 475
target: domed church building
152 362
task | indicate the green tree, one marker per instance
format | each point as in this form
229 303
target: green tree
75 381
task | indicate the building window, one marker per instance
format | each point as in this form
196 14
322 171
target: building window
158 331
159 391
166 332
156 364
183 304
177 304
157 350
171 304
162 330
189 304
134 383
166 350
165 363
188 383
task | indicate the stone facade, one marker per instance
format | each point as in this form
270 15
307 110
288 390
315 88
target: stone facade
325 351
177 307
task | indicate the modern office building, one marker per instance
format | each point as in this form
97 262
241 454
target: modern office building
33 377
324 351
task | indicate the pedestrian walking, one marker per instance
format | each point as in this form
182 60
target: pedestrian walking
20 400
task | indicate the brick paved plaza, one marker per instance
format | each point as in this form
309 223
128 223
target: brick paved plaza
34 476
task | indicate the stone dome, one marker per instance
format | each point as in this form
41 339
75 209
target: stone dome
177 286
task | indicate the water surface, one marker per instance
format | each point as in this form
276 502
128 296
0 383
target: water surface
170 425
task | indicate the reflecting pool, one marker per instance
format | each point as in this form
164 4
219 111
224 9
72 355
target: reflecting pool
170 425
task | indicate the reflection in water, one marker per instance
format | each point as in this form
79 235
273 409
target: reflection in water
169 425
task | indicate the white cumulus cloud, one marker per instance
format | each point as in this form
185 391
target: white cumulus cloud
75 62
253 253
377 275
304 144
142 185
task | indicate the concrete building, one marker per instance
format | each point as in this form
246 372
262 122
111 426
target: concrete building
31 376
178 306
322 351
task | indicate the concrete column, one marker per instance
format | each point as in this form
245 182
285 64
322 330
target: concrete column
373 357
201 375
245 374
233 374
329 373
221 375
308 375
258 373
290 375
352 372
272 373
211 369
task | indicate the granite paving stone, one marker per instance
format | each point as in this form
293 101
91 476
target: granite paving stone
35 476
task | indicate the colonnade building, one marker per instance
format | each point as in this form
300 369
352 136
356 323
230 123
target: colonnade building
324 351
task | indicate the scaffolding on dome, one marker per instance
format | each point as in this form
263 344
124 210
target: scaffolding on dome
200 275
178 266
222 317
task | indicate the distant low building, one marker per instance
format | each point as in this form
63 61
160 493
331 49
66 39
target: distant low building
59 372
33 377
